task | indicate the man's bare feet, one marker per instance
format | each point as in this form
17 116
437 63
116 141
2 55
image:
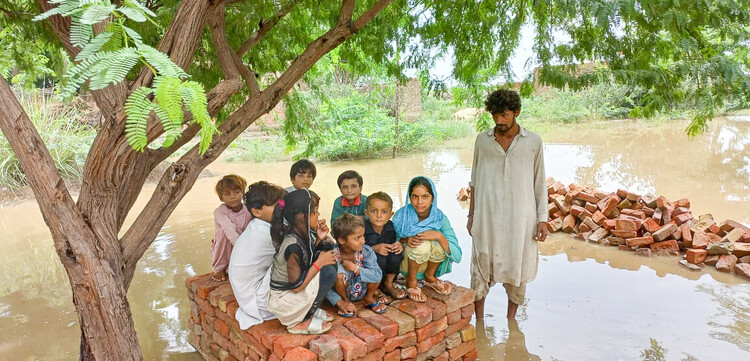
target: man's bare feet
512 309
479 309
303 328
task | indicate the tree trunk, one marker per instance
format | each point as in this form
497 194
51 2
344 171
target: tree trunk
94 270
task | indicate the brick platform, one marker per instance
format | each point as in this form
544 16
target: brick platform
438 329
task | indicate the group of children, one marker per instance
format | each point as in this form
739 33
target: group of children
283 262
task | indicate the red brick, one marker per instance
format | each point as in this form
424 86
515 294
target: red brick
460 325
470 356
405 322
584 227
458 298
282 345
443 357
267 332
607 205
394 355
409 353
650 225
712 259
639 241
221 327
455 316
222 341
633 197
670 245
626 225
467 311
300 354
664 232
700 240
452 341
569 223
743 270
714 229
327 348
687 236
726 262
696 256
577 210
468 333
205 307
433 352
682 218
463 349
591 207
403 341
432 328
376 355
203 287
420 312
587 197
609 224
427 343
741 249
352 347
385 325
190 280
439 310
598 218
634 213
624 234
366 332
274 358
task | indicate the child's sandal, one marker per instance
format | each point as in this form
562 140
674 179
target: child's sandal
315 328
377 307
416 295
323 315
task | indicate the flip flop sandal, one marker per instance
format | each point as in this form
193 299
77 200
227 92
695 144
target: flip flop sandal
398 288
434 286
315 328
323 315
412 292
346 314
375 307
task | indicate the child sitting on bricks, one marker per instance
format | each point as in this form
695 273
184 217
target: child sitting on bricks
358 271
302 175
381 236
230 220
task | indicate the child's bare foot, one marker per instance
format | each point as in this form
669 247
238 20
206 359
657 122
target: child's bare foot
220 276
395 292
375 305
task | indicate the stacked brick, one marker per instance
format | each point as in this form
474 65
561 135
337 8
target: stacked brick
649 225
438 329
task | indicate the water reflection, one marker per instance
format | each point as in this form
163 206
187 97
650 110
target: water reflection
509 346
614 301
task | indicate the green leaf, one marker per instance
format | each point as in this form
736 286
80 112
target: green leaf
137 109
94 45
114 68
80 33
163 64
137 5
133 35
96 13
132 14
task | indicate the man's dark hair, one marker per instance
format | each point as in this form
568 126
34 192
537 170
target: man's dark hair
345 225
261 194
350 174
383 196
302 166
501 100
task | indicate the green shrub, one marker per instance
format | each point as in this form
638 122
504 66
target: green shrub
64 131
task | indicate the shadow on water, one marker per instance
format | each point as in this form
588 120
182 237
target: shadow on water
509 345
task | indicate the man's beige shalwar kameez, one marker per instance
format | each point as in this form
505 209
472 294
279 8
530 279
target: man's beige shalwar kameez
510 198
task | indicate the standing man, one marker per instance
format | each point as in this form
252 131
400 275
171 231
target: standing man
508 211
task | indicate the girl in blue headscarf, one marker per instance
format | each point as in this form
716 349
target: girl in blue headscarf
430 245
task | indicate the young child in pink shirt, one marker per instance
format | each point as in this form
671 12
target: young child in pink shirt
230 219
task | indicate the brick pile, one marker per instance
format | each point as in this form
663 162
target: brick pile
438 329
649 225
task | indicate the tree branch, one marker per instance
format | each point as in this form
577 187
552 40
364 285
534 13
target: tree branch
179 178
230 63
347 11
264 28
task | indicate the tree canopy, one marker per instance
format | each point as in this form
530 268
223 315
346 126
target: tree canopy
170 71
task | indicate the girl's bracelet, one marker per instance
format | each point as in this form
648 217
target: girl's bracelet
316 266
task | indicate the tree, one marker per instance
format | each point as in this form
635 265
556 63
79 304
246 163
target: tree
255 52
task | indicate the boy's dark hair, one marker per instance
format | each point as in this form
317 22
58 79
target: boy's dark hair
230 181
383 196
350 174
302 166
261 194
501 100
345 225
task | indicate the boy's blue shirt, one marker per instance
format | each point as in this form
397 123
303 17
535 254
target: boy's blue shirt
387 235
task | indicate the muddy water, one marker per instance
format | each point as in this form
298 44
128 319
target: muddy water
588 302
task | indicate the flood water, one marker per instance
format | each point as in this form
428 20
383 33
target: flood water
588 302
